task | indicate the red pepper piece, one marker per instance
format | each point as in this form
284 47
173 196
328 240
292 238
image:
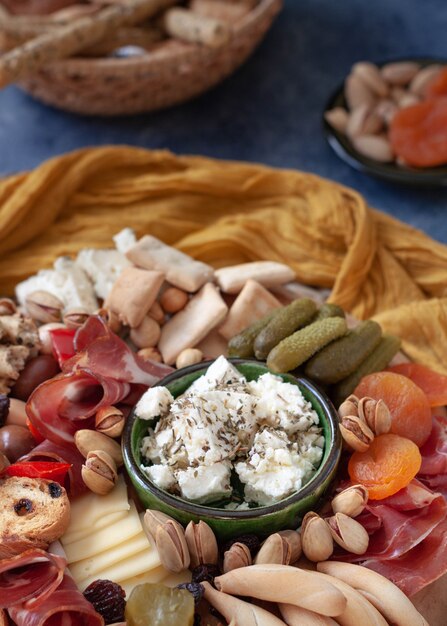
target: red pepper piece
63 344
50 470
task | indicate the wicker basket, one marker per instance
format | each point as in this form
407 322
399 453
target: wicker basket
168 75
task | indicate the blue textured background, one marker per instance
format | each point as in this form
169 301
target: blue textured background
270 110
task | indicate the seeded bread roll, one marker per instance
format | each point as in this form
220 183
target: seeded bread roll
33 513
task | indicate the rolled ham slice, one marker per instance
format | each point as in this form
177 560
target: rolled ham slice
66 606
62 453
30 578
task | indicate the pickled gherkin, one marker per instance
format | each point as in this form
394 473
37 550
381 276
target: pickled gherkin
329 310
342 357
157 605
379 358
299 347
242 345
293 316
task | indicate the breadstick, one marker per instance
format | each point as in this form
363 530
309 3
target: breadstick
186 25
296 616
221 9
74 37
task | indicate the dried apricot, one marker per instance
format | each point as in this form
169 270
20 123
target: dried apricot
418 133
434 385
390 464
408 404
438 86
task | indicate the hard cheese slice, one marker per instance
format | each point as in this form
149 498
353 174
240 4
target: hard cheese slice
157 575
107 520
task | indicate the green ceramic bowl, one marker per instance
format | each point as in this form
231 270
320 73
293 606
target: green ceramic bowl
227 524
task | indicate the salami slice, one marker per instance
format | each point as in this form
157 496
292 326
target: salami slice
66 606
30 578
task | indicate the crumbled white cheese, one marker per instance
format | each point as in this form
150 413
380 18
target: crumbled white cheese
67 281
102 267
205 483
275 467
161 475
125 240
265 429
155 402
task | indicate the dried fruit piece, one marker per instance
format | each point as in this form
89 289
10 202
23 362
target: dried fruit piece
205 573
433 384
108 598
158 605
195 589
418 133
390 464
408 405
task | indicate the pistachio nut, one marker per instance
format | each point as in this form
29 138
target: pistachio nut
400 72
43 307
349 406
423 78
348 533
110 318
153 519
356 433
172 547
357 92
376 415
375 147
7 306
316 538
337 118
363 120
109 421
371 76
202 544
293 538
87 440
274 550
351 501
237 556
75 318
99 472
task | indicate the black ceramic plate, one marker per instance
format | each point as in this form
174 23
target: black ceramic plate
428 177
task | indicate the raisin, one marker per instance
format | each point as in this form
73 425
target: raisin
251 541
23 507
55 490
196 589
197 620
108 599
4 408
205 573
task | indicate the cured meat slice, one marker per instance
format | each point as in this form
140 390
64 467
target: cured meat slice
63 453
420 566
64 404
434 451
104 353
30 578
399 523
65 607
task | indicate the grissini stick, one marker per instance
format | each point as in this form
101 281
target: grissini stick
285 584
237 611
189 26
381 592
74 37
296 616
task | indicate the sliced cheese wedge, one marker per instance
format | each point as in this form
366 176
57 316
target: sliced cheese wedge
86 510
172 579
89 567
140 563
157 575
106 538
107 520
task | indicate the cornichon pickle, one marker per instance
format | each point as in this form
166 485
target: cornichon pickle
293 316
379 358
241 345
329 310
342 357
297 348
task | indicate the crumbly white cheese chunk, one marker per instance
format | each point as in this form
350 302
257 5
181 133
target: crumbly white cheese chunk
103 268
67 281
265 430
125 240
154 402
161 475
275 467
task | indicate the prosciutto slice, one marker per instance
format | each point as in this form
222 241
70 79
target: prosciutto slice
64 404
65 607
62 453
103 352
30 578
434 451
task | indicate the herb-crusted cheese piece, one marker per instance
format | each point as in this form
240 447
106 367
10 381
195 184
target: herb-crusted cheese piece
155 402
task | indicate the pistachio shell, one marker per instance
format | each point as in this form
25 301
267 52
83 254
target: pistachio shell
99 472
7 306
153 519
316 538
44 306
202 544
75 318
86 440
171 545
237 556
349 406
109 421
351 501
348 533
293 538
275 549
337 118
371 76
356 433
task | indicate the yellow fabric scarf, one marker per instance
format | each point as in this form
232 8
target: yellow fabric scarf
229 212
